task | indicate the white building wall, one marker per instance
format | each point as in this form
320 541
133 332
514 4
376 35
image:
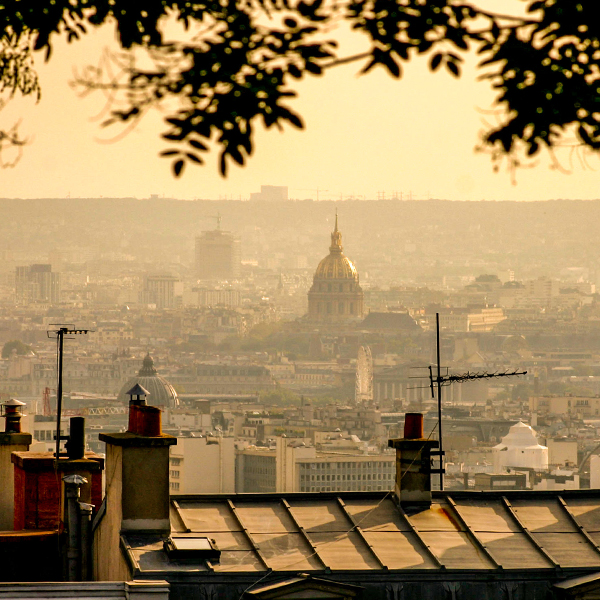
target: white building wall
203 466
595 471
562 452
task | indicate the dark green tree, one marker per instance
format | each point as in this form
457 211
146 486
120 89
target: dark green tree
17 345
236 62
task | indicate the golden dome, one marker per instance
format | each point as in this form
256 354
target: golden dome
336 265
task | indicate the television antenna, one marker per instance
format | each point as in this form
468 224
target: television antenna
438 381
59 334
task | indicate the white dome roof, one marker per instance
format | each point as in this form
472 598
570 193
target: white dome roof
520 436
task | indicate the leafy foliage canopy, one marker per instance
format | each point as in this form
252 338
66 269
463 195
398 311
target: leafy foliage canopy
236 62
17 346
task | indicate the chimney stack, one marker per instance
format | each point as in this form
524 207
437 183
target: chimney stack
413 464
137 483
11 440
38 487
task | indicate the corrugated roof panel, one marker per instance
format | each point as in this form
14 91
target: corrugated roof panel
236 561
343 551
230 540
437 518
587 512
287 551
319 516
373 516
513 550
486 516
265 517
399 550
208 516
455 550
569 549
543 515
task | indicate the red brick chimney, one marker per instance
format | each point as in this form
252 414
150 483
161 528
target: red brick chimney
38 487
39 490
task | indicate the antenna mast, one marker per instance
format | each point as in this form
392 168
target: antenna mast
60 336
439 397
447 380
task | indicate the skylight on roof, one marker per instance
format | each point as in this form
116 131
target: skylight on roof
196 548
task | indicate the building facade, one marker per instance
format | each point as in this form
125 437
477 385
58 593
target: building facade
166 291
202 465
293 466
36 283
218 255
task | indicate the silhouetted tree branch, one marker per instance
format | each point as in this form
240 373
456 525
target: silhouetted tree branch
237 60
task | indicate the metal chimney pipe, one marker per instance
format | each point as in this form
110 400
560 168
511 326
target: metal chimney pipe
72 563
76 442
85 528
12 413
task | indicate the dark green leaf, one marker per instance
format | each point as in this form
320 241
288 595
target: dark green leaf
197 144
453 68
435 61
178 167
194 158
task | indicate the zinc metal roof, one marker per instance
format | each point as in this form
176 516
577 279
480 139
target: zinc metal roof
365 531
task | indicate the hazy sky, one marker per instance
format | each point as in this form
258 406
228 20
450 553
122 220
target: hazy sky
363 135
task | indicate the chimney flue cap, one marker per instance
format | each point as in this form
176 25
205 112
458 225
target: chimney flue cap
13 402
138 391
11 411
413 426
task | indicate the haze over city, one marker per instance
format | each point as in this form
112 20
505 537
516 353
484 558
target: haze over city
365 365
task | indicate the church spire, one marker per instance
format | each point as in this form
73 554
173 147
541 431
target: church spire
336 237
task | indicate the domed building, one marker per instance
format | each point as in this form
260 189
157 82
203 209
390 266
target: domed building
161 392
520 448
335 295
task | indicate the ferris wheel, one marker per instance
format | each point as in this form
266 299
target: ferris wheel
363 391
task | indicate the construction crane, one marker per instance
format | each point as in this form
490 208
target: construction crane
46 400
311 190
217 217
80 412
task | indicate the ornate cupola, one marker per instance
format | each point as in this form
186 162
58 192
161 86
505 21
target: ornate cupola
335 295
160 391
